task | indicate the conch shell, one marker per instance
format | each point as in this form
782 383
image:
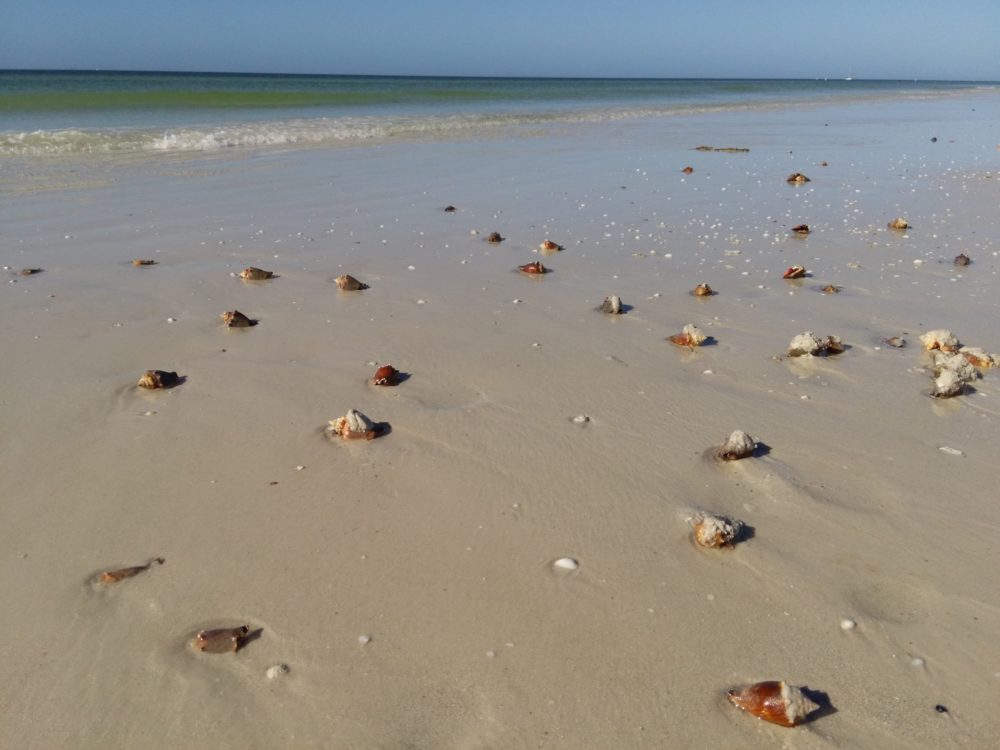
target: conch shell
353 426
898 223
255 274
941 339
811 344
349 284
221 640
797 178
612 305
690 336
236 319
773 701
979 357
794 272
716 532
738 445
801 229
114 576
142 262
386 375
703 290
550 247
154 379
534 268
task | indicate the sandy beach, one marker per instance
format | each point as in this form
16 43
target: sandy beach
407 582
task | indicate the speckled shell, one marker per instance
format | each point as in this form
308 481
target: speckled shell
773 701
385 375
154 379
349 284
221 640
962 259
255 274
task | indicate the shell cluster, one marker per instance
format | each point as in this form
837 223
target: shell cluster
773 701
809 344
690 336
713 531
954 366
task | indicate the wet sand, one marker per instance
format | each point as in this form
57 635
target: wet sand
408 582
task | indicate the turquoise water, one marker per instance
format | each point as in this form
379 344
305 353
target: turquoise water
44 112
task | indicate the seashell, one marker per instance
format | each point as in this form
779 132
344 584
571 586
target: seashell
794 272
716 532
550 247
831 289
353 426
236 319
566 563
738 445
348 283
773 701
898 223
494 237
612 305
221 640
895 341
449 209
962 259
114 576
386 375
956 362
948 383
688 170
30 271
824 164
797 178
154 379
805 343
690 336
801 229
535 268
703 290
255 274
941 339
141 262
979 358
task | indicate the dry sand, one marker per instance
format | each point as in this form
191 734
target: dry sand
408 582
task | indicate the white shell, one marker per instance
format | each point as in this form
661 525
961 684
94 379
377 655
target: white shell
940 339
948 383
739 445
353 421
805 343
566 563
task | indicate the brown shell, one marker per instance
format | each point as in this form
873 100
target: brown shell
703 290
494 237
154 379
898 223
30 271
114 576
768 701
255 274
801 229
141 262
962 259
794 272
797 178
449 209
548 246
236 319
349 284
221 640
386 375
688 170
682 339
830 289
535 267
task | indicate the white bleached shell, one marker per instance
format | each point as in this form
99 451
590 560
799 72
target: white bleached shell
948 383
713 532
805 343
738 445
941 339
612 305
352 426
565 563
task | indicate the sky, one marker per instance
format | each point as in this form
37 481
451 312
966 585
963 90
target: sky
898 39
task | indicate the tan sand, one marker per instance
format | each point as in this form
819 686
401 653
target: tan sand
407 582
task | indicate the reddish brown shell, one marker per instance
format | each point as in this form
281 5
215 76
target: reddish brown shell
221 640
494 237
114 576
773 701
794 272
801 229
386 375
535 267
548 246
688 170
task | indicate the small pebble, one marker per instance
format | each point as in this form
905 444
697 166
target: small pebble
171 320
848 624
951 451
566 563
581 419
364 640
299 468
917 662
277 670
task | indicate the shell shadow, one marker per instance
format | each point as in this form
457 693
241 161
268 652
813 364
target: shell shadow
253 635
746 533
821 699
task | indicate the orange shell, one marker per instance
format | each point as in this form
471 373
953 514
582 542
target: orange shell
703 290
773 701
794 272
385 375
535 267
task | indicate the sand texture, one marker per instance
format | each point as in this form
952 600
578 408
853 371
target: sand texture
407 582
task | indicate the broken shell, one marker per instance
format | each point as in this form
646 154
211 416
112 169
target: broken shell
612 305
114 576
255 274
962 259
703 290
535 267
797 178
801 229
386 375
236 319
353 426
153 379
830 289
30 271
221 640
896 341
550 247
794 272
495 237
690 336
716 532
349 284
738 445
773 701
141 262
898 223
941 339
688 170
979 357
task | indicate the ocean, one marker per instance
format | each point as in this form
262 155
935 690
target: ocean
77 112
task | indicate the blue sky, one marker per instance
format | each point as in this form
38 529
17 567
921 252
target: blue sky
655 38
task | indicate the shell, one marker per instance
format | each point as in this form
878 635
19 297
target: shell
348 283
831 289
386 375
979 357
690 336
738 445
450 209
255 274
154 379
794 272
811 344
940 338
716 532
353 426
962 259
236 319
703 290
141 262
898 223
494 237
773 701
550 247
947 384
114 576
896 341
612 305
801 229
534 268
688 170
221 640
797 178
30 271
